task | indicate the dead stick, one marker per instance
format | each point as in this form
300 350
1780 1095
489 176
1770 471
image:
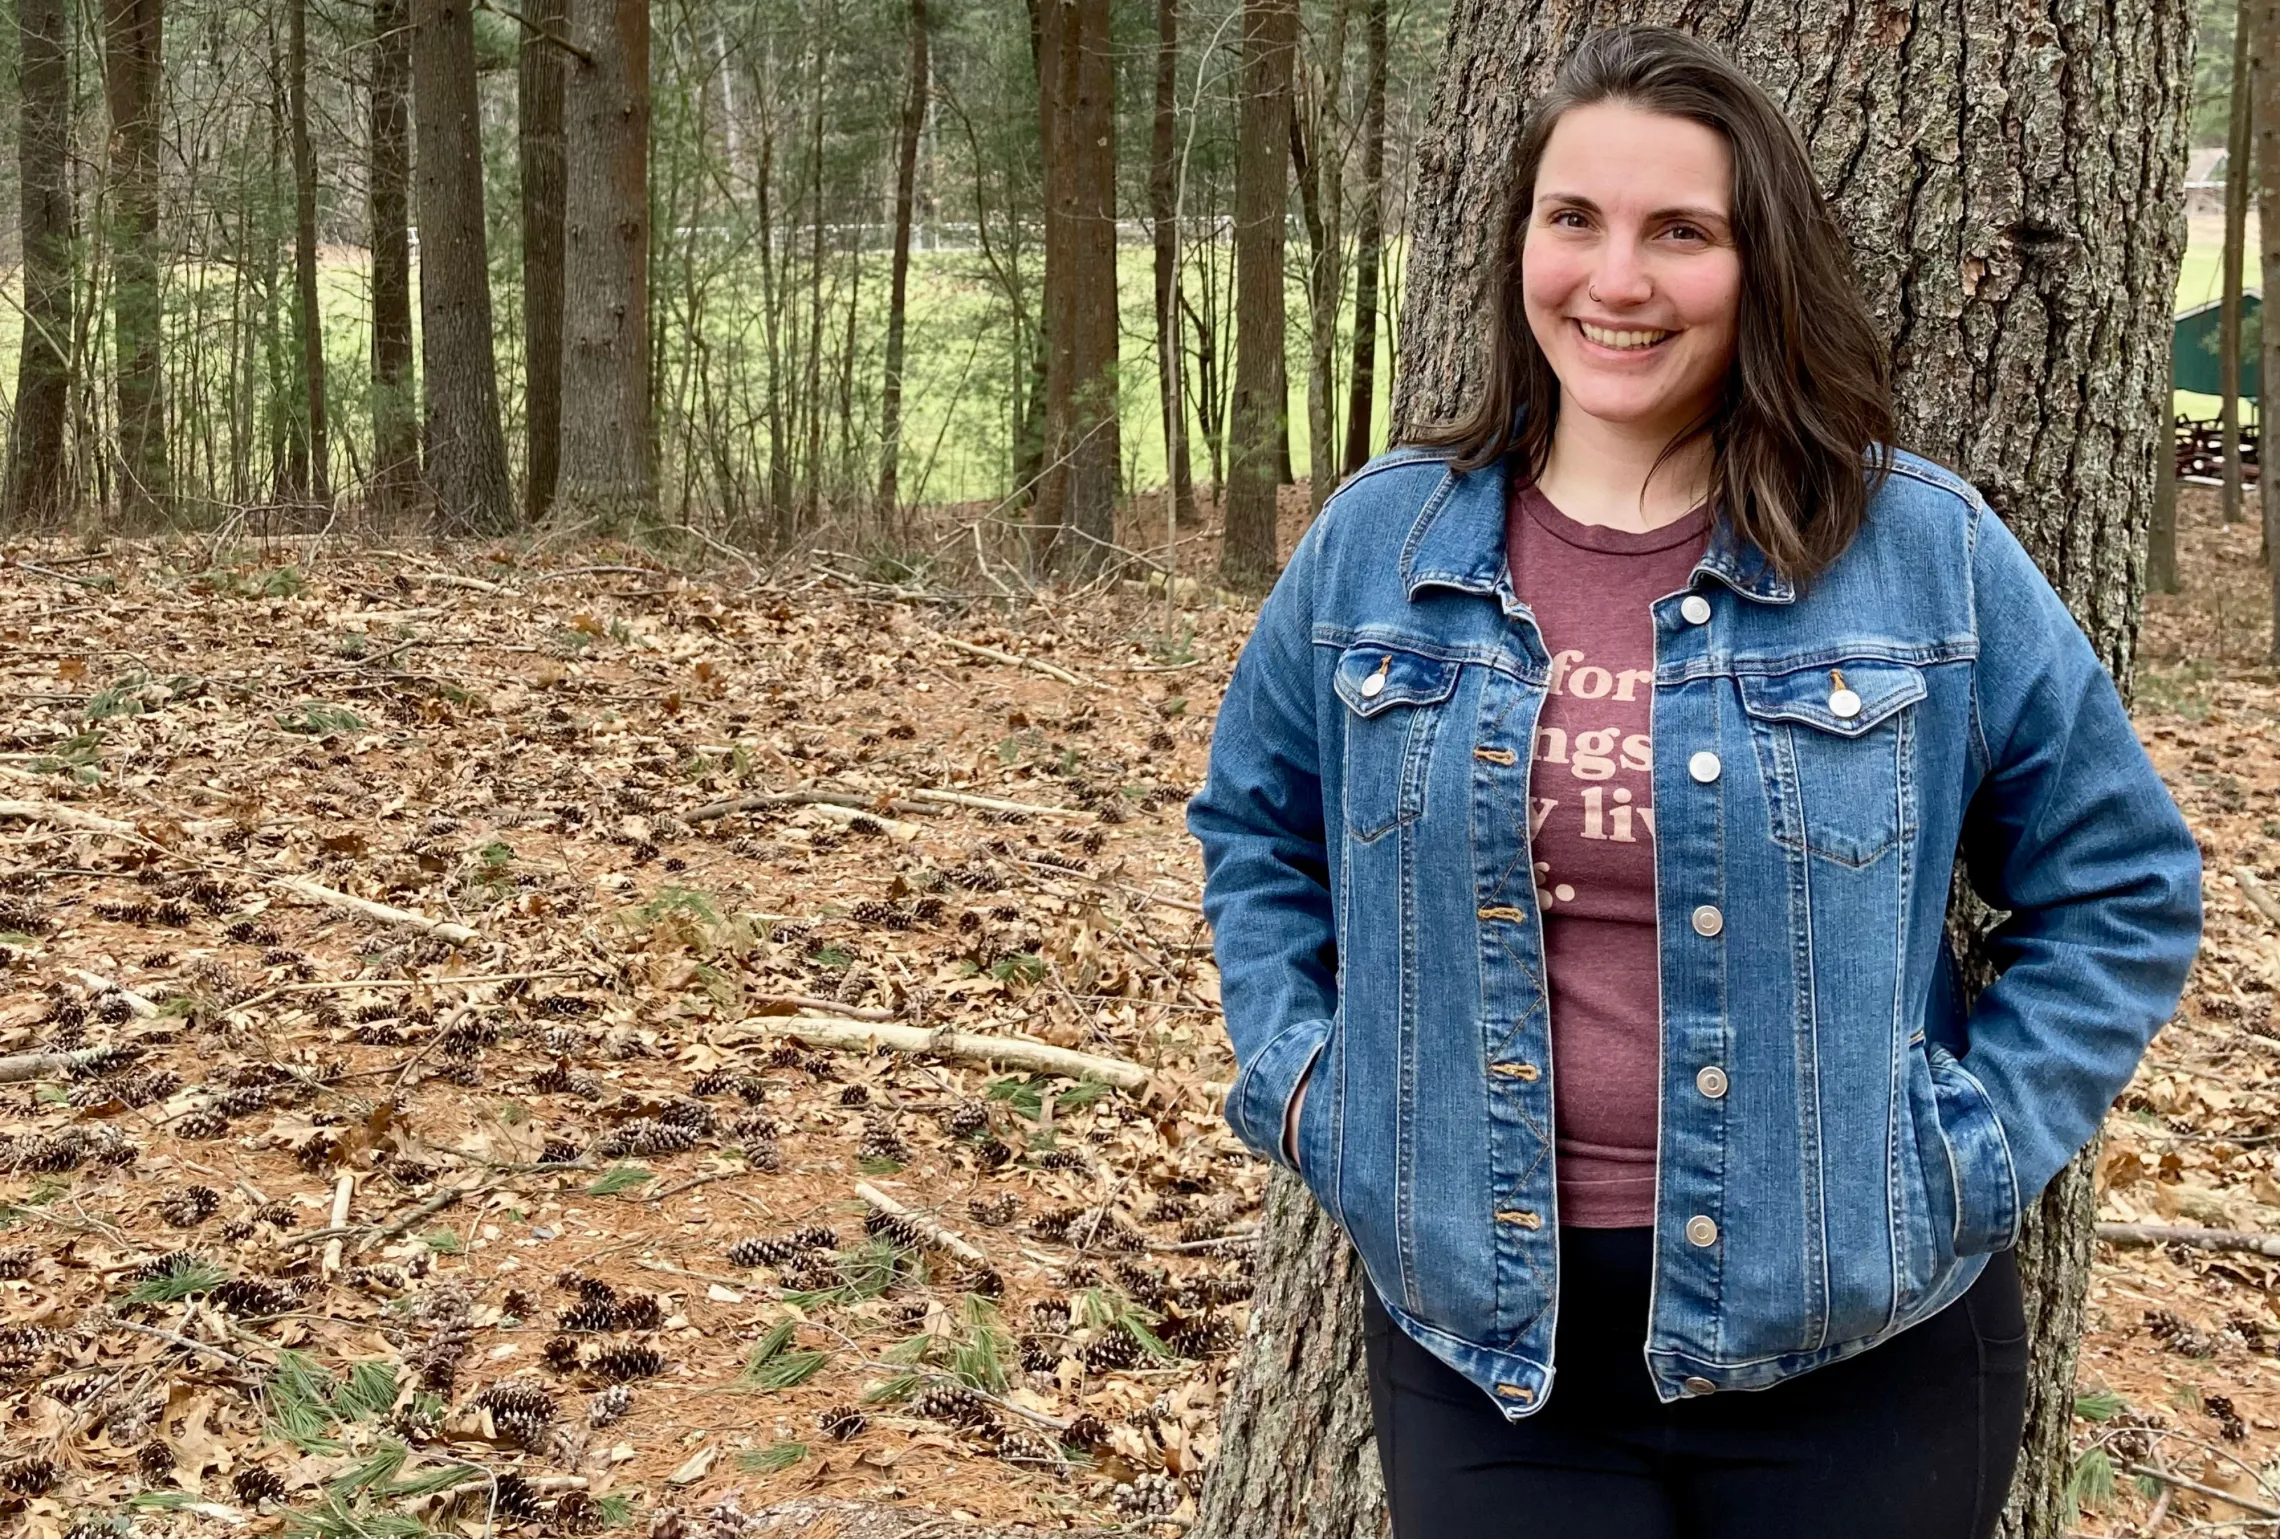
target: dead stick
826 1006
381 913
2218 1493
45 1065
1020 1052
934 1233
995 656
2257 893
2187 1234
343 1190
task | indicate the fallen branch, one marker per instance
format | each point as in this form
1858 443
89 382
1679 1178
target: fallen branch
101 985
2187 1234
2217 1493
2259 895
997 804
839 806
826 1006
933 1232
453 980
1019 1052
25 1066
916 799
343 1190
380 913
1031 663
68 817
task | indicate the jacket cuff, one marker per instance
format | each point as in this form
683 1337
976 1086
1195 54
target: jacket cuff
1259 1100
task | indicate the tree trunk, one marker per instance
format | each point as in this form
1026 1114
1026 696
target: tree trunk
539 150
395 418
1369 240
36 495
2239 156
609 469
1317 147
308 319
466 451
2161 531
2024 280
898 282
1258 432
1077 505
1164 219
133 50
2264 91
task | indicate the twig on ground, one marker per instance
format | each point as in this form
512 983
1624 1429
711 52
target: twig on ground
380 913
995 656
2193 1235
935 1234
2259 896
1020 1052
25 1066
2214 1493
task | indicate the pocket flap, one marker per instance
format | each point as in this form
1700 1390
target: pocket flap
1806 696
1371 678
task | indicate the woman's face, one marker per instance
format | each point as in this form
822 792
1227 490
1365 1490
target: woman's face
1637 207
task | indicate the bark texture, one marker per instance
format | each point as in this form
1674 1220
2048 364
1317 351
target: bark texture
1076 503
609 460
311 477
1164 224
915 95
133 38
36 494
2264 91
466 452
1258 440
1369 243
2011 186
539 73
395 414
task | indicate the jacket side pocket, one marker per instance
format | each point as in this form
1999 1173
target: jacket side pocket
1987 1207
1258 1102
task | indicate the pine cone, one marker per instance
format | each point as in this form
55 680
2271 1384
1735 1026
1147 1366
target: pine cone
562 1353
714 1082
609 1406
16 1262
1038 1355
154 1461
953 1403
252 1296
1085 1431
631 1362
994 1212
645 1136
1027 1448
591 1315
841 1422
558 1151
255 1485
966 1119
641 1312
1115 1350
896 1228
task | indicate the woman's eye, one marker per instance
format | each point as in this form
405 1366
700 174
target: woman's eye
1688 230
1568 213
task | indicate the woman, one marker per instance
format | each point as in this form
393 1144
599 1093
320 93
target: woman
1599 764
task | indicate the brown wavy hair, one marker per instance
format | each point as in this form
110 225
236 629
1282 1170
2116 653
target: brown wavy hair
1799 433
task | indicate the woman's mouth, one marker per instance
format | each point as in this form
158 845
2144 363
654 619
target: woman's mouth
1626 340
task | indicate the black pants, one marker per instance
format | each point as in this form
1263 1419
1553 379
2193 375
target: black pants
1914 1439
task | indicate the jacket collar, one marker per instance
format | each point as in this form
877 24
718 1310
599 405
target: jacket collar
1458 542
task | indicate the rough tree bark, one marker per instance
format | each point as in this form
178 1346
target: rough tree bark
915 95
133 47
36 496
466 451
2264 93
539 71
2238 155
609 459
1163 217
1258 426
2021 267
312 477
1076 503
1369 242
395 416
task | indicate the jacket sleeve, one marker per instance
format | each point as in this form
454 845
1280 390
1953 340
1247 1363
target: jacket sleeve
1266 886
2072 832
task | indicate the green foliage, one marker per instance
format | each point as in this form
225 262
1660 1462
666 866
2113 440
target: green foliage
307 1406
831 956
776 1456
979 1351
1026 1093
2099 1405
1021 967
776 1364
178 1282
619 1178
317 719
2090 1483
901 1387
444 1242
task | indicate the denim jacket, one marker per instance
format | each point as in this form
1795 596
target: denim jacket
1841 1142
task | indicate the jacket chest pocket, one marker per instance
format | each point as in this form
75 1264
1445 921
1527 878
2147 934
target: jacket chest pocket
1394 703
1836 745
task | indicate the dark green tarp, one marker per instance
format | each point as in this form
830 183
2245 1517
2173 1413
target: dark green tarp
2194 349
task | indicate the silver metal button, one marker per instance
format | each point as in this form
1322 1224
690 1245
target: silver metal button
1695 608
1701 1230
1696 1385
1708 921
1703 766
1844 703
1374 683
1710 1080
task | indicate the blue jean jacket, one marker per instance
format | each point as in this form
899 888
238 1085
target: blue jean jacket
1841 1143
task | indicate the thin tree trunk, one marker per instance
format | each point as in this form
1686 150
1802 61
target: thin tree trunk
898 282
2025 281
2264 91
36 494
608 456
1259 430
2161 530
395 414
1361 397
133 50
466 450
308 319
539 145
1164 214
1317 147
2239 156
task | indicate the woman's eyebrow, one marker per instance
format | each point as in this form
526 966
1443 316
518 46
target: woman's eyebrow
1682 211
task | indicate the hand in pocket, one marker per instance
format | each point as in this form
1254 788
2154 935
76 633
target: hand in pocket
1290 1123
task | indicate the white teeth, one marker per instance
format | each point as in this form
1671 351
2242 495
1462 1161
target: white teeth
1621 338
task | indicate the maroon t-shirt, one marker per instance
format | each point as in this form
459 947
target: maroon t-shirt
1592 824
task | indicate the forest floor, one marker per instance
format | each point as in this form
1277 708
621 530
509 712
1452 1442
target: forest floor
351 1220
